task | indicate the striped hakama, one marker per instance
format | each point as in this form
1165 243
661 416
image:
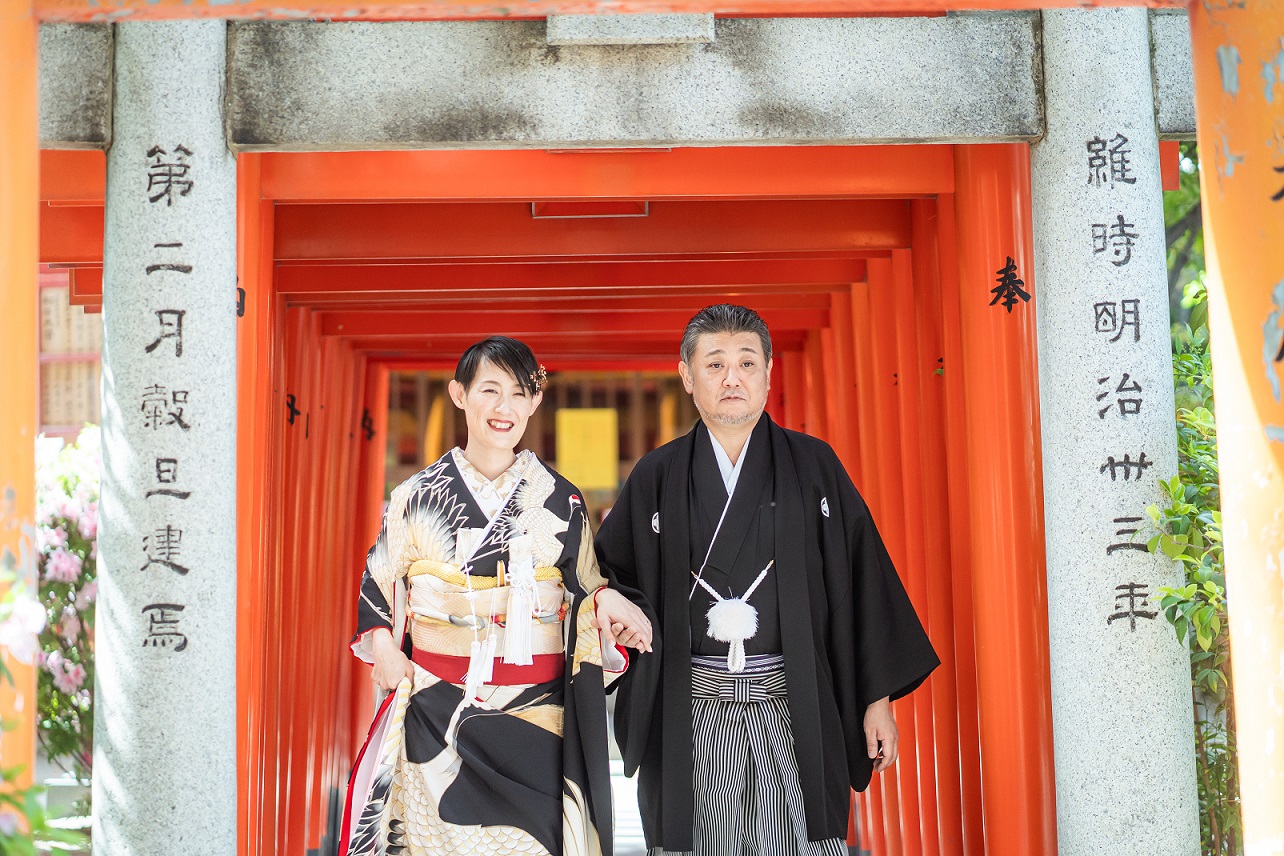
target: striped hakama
748 801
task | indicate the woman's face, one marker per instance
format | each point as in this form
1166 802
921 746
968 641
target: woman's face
496 406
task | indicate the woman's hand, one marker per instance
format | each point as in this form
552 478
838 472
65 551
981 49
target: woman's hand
390 664
621 621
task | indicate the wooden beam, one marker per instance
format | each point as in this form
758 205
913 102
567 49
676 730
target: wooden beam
477 322
818 228
730 276
750 172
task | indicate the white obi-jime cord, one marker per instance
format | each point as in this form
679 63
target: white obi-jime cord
731 619
522 598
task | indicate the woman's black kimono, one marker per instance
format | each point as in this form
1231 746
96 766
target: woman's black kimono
520 768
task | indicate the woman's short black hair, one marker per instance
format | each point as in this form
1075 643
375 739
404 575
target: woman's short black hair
511 355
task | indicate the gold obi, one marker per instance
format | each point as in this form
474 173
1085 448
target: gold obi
444 622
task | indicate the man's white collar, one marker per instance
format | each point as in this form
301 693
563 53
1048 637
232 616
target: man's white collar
730 472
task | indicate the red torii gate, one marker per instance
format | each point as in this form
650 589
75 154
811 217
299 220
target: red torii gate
298 335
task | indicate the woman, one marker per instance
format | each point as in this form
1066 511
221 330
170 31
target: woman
494 741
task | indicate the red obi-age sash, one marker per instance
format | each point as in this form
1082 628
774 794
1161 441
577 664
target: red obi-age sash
546 667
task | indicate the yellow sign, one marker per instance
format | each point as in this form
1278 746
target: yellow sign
588 446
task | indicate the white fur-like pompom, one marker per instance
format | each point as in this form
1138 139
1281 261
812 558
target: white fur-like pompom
732 620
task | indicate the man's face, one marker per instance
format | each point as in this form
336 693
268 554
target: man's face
728 378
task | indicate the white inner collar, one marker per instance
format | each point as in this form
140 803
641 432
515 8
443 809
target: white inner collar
730 472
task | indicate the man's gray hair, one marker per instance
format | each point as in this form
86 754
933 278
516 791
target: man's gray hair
724 318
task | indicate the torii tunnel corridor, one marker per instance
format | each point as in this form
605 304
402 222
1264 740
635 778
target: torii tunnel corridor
875 267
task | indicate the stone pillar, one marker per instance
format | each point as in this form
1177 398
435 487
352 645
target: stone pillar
165 705
1122 714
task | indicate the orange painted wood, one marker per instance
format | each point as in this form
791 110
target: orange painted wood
413 10
844 385
19 325
805 229
885 801
776 390
999 368
603 363
369 517
960 533
73 177
85 287
1243 234
71 234
834 422
707 278
888 509
525 322
815 403
794 370
328 389
736 172
1170 164
445 345
932 474
349 440
903 304
253 339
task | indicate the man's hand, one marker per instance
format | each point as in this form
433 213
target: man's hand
391 665
621 621
881 737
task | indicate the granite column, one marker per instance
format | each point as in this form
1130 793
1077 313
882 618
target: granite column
165 708
1122 717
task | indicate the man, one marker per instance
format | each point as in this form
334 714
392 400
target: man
782 630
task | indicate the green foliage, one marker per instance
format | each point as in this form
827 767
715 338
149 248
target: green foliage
23 819
1185 235
67 519
1190 532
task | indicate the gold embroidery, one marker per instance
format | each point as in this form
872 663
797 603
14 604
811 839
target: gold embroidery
451 574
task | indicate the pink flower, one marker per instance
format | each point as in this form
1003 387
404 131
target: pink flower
19 631
8 824
88 524
46 511
88 594
48 537
62 567
71 679
54 662
71 628
70 508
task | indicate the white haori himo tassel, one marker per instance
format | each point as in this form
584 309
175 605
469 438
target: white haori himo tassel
481 665
734 620
522 598
517 629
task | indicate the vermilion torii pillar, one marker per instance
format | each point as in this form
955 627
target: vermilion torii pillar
19 196
165 773
1239 101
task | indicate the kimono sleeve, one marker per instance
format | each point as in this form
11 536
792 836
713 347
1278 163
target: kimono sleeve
893 654
587 647
616 554
623 557
381 603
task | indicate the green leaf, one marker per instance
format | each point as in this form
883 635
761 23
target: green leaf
1171 548
1199 315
